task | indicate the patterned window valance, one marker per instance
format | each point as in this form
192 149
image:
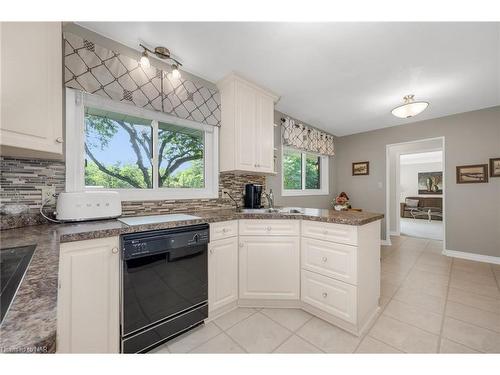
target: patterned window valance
306 138
98 70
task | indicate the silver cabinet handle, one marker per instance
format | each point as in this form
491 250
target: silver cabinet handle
114 250
325 294
324 259
268 228
211 251
241 244
325 232
59 140
224 230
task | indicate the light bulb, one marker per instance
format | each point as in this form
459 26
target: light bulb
175 72
144 61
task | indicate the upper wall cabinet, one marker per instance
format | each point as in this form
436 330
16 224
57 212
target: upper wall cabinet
247 126
31 86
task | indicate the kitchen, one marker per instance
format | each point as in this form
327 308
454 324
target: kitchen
150 209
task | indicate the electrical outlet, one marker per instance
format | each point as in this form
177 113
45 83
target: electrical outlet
224 193
48 194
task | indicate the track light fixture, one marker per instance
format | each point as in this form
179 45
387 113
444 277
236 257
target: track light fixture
162 53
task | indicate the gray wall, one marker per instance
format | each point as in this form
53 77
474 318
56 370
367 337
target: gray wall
274 182
472 210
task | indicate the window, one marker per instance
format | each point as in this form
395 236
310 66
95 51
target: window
142 154
304 173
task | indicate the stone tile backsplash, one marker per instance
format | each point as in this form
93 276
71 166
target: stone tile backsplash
21 180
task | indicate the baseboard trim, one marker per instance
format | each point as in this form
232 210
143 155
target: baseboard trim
397 234
386 242
471 256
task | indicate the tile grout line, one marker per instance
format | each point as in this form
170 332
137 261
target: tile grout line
444 309
495 276
294 334
387 304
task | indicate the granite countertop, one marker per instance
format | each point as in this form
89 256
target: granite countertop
30 324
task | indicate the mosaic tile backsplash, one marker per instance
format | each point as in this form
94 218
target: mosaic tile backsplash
22 179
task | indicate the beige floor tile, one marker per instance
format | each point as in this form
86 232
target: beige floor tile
428 321
491 291
471 266
472 336
327 337
387 289
474 300
221 343
428 286
383 301
194 338
433 259
418 298
474 277
296 345
403 336
448 346
371 345
438 269
258 334
395 268
393 278
292 319
474 316
229 319
420 275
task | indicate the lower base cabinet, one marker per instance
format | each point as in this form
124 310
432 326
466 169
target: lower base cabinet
88 297
269 268
222 273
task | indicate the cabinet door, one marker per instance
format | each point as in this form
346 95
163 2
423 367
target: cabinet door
265 133
222 272
269 267
88 298
31 69
245 128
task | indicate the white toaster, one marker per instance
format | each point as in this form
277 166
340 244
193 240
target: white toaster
88 205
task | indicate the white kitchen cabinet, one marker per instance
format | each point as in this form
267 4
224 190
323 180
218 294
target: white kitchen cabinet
31 113
340 277
269 268
222 273
247 129
88 297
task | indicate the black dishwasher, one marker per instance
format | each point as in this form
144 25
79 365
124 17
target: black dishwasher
164 285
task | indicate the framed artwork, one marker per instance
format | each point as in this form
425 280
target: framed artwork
472 174
430 183
361 168
495 167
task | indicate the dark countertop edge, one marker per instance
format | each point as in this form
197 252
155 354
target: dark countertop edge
125 229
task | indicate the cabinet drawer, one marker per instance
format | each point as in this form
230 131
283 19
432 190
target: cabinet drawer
224 229
330 259
269 227
333 297
340 233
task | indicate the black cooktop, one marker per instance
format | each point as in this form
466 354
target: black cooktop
13 264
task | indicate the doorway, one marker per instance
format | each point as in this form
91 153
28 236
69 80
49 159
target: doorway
416 189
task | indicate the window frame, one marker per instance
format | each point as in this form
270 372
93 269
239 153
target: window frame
323 172
76 101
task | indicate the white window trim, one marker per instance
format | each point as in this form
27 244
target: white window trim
324 183
75 151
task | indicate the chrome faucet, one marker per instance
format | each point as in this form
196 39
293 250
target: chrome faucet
270 199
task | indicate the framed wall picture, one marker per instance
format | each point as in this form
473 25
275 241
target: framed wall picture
361 168
472 174
430 182
495 167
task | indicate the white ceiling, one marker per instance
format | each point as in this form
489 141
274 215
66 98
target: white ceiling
422 158
340 77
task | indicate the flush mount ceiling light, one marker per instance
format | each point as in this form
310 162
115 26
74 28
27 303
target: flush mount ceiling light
410 108
162 53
